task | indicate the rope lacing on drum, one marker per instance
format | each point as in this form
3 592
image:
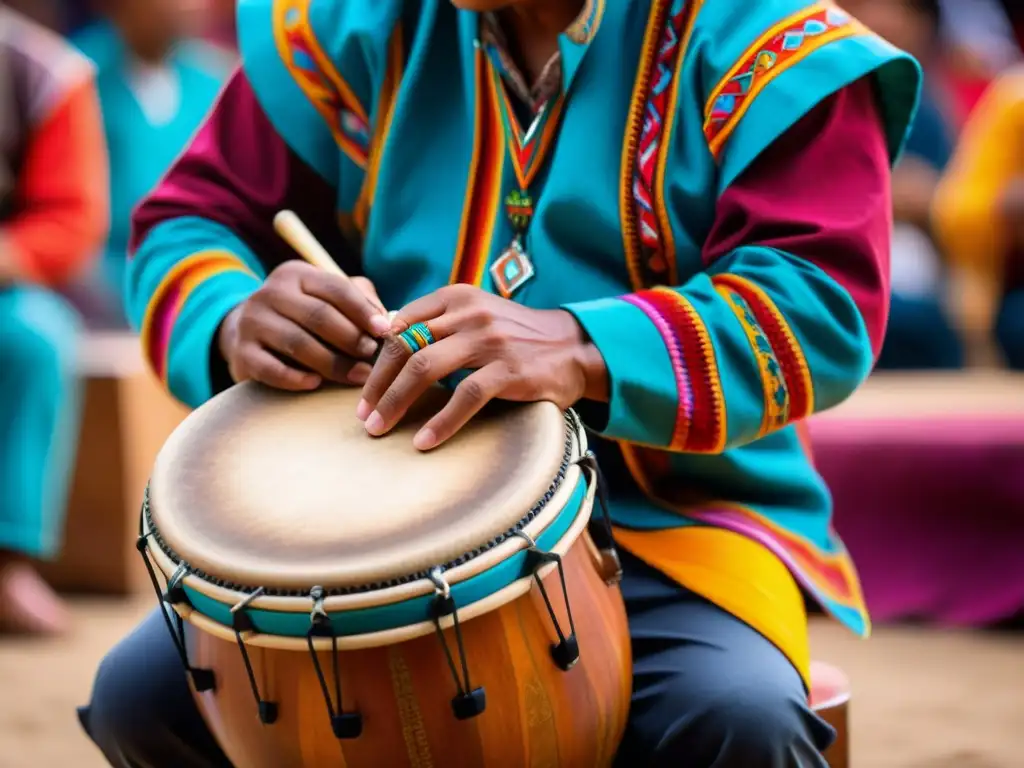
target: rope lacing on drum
601 529
468 702
566 652
202 679
346 725
242 622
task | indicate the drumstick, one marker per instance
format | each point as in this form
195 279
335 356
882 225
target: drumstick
297 235
294 232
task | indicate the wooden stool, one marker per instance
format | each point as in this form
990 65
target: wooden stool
830 698
127 416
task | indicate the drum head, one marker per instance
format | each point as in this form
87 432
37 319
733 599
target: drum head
259 488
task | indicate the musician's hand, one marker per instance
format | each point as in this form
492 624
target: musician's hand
304 326
516 353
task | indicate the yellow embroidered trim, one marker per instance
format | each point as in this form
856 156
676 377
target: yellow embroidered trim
786 44
773 383
170 296
315 74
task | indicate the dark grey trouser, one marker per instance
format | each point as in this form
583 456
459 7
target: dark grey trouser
708 691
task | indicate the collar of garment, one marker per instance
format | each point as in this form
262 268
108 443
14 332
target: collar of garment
547 85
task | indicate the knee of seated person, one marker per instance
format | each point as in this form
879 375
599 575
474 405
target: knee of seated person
122 708
39 333
754 725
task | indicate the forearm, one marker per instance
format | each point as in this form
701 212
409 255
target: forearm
186 277
204 239
762 342
788 316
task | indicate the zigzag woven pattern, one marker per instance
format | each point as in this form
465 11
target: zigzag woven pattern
652 134
308 65
784 45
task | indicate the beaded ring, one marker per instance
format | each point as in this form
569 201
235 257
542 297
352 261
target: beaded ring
416 337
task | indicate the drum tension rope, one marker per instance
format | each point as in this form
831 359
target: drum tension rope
346 725
202 679
468 702
566 652
601 531
241 622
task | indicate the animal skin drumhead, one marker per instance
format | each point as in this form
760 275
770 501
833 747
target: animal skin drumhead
286 491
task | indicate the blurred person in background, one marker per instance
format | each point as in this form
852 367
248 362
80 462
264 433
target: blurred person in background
53 218
156 84
979 211
981 42
221 25
920 334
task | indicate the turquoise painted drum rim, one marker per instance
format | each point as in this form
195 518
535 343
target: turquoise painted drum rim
406 613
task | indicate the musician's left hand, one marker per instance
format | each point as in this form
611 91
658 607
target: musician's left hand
516 353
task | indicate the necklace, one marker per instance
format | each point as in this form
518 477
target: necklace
529 150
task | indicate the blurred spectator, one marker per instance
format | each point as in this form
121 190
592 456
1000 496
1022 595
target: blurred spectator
982 42
979 211
52 219
50 13
983 28
155 87
920 334
221 27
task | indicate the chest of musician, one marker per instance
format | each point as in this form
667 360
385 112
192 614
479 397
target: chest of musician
455 185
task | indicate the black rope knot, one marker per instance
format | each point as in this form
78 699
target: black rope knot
202 679
241 622
468 702
566 652
345 725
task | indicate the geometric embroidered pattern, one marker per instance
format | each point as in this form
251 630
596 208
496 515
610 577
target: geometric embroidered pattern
320 80
649 251
700 416
787 43
773 383
793 396
170 296
582 30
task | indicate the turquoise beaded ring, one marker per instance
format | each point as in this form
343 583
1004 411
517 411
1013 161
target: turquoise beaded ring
417 336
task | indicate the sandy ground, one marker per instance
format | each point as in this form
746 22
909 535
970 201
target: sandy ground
922 699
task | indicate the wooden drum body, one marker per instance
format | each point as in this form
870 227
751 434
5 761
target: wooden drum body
360 567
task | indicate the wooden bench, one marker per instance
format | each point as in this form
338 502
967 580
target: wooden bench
127 416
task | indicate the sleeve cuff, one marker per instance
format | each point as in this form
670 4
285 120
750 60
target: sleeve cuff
192 374
643 396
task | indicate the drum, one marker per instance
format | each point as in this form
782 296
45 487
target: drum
341 600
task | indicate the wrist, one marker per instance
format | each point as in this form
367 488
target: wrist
589 363
595 373
227 335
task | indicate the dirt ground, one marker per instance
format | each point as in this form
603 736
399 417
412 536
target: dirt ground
922 699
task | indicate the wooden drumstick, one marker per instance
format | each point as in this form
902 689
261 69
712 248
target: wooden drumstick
297 235
294 232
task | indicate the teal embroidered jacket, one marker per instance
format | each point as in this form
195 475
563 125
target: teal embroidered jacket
713 359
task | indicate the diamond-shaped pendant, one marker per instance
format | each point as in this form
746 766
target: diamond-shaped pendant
511 270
